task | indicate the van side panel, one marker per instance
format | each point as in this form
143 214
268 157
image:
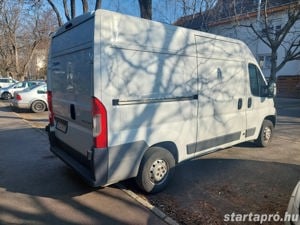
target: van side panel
149 83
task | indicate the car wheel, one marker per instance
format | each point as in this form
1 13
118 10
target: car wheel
156 169
38 106
266 134
6 95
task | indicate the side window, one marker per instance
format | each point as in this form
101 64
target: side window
30 84
42 90
257 82
19 85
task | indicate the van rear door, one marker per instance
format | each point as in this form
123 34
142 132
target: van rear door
70 82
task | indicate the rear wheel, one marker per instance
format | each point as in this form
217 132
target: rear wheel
6 95
38 106
156 169
266 134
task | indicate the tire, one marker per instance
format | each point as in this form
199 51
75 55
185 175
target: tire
266 134
156 169
6 95
38 106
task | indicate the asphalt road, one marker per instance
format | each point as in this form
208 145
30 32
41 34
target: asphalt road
241 179
36 188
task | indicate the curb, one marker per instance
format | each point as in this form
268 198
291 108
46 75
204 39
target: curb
151 207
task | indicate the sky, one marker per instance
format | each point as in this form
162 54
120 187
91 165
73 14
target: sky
166 11
162 10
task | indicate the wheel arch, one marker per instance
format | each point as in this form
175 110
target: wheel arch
38 100
169 146
271 118
6 92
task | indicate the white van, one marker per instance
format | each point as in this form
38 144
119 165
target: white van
130 97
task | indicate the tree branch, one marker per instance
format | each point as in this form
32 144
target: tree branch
67 15
85 6
59 20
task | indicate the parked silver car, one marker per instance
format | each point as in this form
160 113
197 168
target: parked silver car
7 81
8 92
33 98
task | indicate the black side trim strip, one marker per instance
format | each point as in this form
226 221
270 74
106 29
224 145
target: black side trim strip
153 100
213 142
250 132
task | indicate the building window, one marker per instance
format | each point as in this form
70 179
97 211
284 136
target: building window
264 61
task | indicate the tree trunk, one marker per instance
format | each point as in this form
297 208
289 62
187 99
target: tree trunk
73 9
273 65
98 4
67 15
146 9
85 6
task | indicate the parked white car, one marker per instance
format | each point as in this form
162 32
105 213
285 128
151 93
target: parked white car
33 98
294 207
6 81
8 92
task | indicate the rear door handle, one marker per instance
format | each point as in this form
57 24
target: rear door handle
240 103
72 111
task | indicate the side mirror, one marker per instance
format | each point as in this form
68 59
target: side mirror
272 90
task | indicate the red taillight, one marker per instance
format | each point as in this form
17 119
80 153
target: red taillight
18 97
99 124
50 108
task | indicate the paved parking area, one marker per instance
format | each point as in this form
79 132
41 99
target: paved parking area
36 188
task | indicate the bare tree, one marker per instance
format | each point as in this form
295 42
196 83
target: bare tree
24 28
54 8
197 14
69 7
285 36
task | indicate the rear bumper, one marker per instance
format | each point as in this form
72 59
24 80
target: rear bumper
17 104
94 170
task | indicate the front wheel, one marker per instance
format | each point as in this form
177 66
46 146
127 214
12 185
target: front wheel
156 169
266 134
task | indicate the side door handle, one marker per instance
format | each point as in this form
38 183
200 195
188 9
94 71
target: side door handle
240 103
249 102
72 111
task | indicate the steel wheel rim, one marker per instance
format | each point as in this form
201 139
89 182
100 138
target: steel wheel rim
39 106
267 133
158 171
